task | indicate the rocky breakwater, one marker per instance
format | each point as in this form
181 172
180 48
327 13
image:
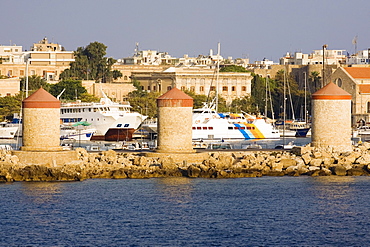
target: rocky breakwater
232 164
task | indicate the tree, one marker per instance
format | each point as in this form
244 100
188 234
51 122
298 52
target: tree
86 97
34 83
296 95
73 89
116 74
314 81
245 104
90 64
144 102
198 100
234 68
10 105
258 95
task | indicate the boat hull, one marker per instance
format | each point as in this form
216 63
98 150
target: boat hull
8 132
115 135
302 132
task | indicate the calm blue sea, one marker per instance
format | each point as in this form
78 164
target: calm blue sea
267 211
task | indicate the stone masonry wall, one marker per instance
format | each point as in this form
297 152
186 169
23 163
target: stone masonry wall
109 164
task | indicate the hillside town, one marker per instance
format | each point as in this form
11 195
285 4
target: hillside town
159 72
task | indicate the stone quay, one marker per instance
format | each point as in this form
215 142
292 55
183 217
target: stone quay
301 161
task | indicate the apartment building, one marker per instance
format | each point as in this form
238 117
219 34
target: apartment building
198 80
43 59
361 57
332 57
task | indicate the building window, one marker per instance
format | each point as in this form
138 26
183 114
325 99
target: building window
224 89
233 88
149 88
244 88
192 88
169 88
338 81
368 107
213 88
201 89
182 88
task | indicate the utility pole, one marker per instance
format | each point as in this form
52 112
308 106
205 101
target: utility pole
323 65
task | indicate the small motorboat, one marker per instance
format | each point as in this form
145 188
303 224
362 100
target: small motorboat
219 145
288 146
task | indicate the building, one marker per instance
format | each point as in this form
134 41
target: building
355 81
148 57
116 91
11 54
361 57
9 87
44 59
332 57
201 81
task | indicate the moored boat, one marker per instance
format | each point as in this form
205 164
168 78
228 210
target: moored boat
78 131
288 146
208 124
112 121
7 132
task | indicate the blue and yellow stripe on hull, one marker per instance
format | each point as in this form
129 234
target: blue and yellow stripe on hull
250 131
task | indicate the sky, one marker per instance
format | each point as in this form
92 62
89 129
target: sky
255 29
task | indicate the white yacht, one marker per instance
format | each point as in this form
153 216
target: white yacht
112 121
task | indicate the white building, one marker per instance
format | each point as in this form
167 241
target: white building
148 57
11 54
361 57
332 57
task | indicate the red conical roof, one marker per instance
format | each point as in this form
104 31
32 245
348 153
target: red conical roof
41 99
332 92
175 98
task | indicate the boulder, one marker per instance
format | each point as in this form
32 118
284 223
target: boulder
287 162
120 173
193 171
355 172
339 170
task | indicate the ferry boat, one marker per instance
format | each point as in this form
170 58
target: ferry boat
208 124
112 121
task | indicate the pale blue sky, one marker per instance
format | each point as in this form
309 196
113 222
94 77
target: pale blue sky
245 28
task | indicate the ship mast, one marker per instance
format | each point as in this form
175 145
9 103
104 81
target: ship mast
217 74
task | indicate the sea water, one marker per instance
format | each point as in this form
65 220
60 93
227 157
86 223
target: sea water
266 211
